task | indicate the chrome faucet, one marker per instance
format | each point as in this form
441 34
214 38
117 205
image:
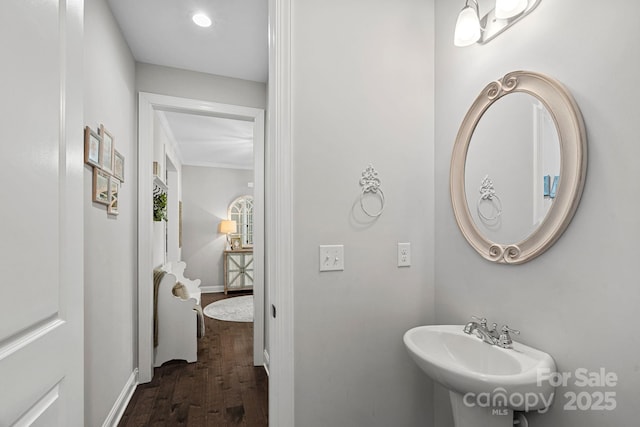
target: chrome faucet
478 327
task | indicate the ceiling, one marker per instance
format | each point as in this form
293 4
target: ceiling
161 32
210 141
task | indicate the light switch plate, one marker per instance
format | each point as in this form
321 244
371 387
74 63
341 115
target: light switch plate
404 254
331 257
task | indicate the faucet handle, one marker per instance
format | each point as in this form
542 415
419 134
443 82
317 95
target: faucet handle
506 330
481 320
504 340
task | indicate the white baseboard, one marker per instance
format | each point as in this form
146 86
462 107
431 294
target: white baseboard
266 361
123 400
212 289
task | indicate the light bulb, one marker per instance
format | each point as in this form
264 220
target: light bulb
506 9
201 20
467 27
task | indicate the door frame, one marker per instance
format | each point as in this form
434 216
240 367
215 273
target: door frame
148 103
280 249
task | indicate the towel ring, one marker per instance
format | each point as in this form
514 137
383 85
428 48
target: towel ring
487 192
497 204
377 214
371 184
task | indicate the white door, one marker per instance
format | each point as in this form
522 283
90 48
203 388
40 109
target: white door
41 256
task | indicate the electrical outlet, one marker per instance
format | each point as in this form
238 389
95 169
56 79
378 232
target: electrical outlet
404 254
331 257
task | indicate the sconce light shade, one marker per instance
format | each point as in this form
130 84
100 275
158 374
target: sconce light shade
470 28
467 27
227 226
506 9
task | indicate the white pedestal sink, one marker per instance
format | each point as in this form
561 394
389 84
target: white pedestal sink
486 382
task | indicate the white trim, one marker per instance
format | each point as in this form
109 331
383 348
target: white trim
280 213
162 118
123 400
30 335
266 362
217 165
147 104
72 199
145 233
35 413
212 289
258 238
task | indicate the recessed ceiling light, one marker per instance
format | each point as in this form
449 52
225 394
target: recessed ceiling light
201 20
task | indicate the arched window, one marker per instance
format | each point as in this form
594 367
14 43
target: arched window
241 211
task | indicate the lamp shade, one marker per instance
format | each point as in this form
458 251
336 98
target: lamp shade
227 226
506 9
467 27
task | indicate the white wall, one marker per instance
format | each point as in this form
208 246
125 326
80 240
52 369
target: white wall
575 300
164 153
208 87
207 194
362 93
110 242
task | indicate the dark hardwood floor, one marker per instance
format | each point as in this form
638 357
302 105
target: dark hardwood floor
221 389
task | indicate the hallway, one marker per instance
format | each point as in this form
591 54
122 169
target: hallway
222 388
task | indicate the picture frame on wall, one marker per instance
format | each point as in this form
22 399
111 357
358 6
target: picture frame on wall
92 147
114 196
106 163
100 193
118 165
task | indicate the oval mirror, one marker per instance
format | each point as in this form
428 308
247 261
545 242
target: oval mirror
518 167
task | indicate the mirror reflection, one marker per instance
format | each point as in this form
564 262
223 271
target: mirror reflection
241 211
512 168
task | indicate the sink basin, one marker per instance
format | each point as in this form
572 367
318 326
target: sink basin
477 372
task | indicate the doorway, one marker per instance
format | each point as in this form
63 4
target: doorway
150 103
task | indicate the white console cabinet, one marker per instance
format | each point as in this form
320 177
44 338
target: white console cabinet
238 270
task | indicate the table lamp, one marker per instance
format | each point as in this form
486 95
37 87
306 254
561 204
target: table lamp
227 227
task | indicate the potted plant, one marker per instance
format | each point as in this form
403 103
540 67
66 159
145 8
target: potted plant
160 207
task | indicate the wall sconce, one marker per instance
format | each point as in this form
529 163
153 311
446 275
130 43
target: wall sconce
227 227
471 29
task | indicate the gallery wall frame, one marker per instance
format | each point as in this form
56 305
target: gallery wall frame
106 162
118 165
108 168
100 193
114 195
92 147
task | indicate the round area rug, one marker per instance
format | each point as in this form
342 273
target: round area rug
237 309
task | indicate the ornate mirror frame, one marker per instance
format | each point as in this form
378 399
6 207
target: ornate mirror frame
241 210
573 165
